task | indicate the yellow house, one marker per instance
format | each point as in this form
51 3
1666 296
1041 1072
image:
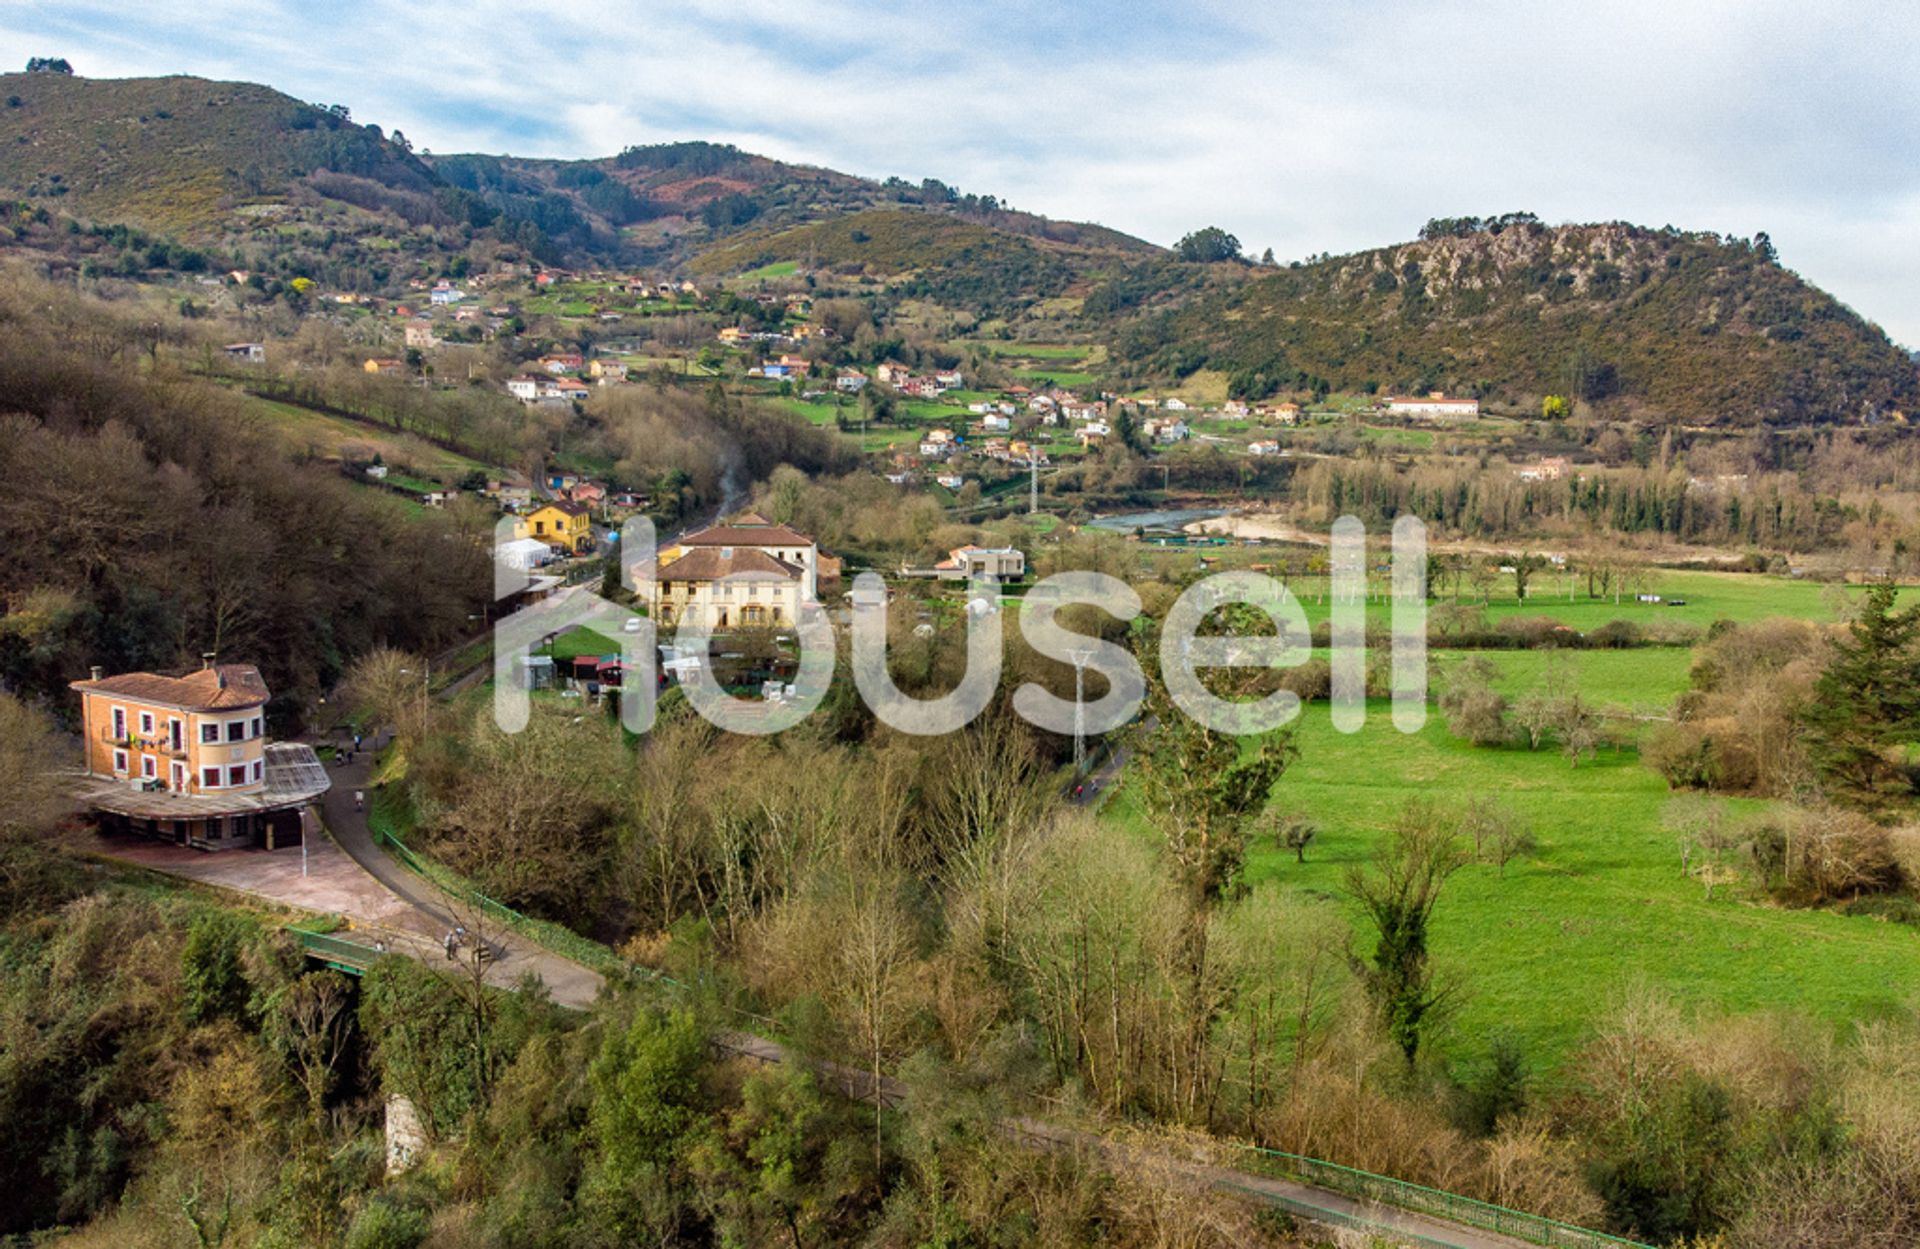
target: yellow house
566 525
384 364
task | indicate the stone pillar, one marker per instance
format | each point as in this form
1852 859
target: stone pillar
406 1135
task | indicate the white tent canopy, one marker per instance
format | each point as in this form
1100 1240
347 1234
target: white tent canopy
523 553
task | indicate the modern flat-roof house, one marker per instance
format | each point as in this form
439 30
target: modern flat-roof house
186 759
1001 563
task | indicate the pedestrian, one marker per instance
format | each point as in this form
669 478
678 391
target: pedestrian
449 945
359 800
356 741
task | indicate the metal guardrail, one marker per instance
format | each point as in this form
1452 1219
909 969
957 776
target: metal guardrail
1419 1199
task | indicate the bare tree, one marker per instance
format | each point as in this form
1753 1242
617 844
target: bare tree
312 1021
869 976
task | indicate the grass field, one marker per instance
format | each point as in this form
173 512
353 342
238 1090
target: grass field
577 642
1644 681
329 436
1709 596
1600 909
1057 377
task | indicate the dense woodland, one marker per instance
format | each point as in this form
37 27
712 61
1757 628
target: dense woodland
147 523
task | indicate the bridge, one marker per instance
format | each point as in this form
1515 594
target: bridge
351 957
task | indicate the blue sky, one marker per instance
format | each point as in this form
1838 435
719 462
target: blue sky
1301 127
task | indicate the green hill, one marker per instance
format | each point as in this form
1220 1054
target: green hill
183 156
1655 323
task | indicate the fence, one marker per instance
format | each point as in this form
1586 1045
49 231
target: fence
1365 1186
556 937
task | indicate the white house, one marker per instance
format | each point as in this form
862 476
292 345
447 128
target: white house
998 563
1434 404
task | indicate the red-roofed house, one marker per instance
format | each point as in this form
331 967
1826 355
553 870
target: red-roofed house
742 572
186 758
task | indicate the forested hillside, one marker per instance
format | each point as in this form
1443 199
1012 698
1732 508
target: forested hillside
1656 323
149 519
181 154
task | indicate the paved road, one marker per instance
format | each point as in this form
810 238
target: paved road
346 874
569 982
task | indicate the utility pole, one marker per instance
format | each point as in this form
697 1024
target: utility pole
1080 658
1033 482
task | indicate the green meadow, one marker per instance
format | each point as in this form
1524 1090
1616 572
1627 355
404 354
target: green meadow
1706 596
1600 910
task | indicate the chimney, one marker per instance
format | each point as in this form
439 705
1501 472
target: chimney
96 672
207 658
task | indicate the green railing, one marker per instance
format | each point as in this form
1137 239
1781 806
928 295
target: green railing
338 952
1417 1198
556 937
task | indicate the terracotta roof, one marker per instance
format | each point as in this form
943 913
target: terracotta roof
710 564
563 505
221 688
747 531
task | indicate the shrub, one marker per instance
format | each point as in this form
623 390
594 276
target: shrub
1681 753
1615 634
1477 715
1833 854
385 1225
1537 632
1311 680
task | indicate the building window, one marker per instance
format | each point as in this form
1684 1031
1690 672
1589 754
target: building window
255 727
119 724
209 778
237 775
120 762
209 733
149 767
259 771
176 733
146 724
236 730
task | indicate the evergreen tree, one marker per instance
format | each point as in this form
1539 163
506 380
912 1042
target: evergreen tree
1867 700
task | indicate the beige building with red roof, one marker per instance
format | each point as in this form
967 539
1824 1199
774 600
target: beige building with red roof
186 758
742 573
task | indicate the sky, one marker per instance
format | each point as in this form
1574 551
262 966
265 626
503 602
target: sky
1304 127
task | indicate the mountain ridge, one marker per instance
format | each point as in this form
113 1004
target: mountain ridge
1639 323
